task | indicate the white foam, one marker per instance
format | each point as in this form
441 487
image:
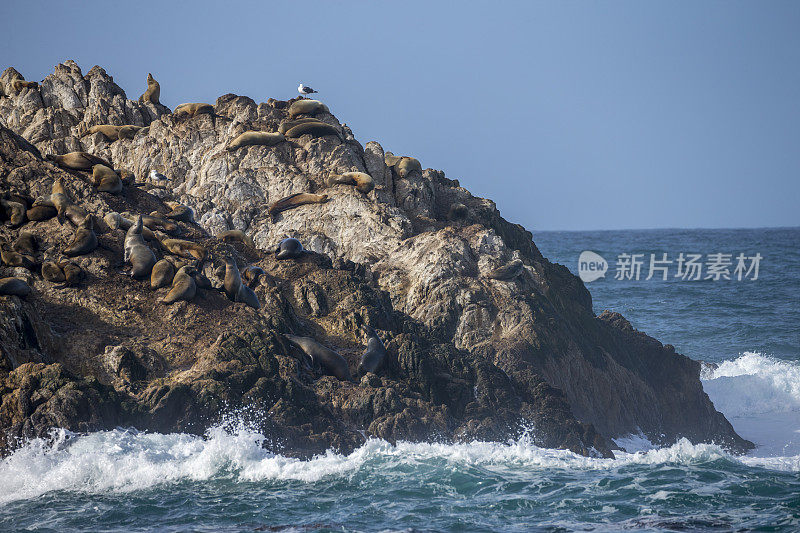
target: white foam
123 461
760 396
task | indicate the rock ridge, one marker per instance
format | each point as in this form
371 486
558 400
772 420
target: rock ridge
485 337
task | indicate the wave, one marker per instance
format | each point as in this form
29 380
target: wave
128 460
760 396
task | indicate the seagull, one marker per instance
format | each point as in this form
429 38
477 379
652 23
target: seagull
302 89
158 177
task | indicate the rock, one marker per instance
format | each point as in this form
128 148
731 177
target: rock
485 337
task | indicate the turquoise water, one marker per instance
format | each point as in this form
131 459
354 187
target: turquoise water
127 481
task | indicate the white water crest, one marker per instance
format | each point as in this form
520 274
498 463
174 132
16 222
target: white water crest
121 461
760 396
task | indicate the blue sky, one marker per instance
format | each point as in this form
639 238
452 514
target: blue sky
570 115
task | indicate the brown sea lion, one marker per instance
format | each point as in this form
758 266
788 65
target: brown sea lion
44 211
315 129
85 239
194 109
155 222
116 221
251 275
14 287
183 286
373 357
295 200
52 272
25 243
77 160
12 258
253 138
162 274
362 181
14 212
406 166
183 248
330 361
109 131
137 252
153 92
307 107
508 271
106 180
180 212
236 235
72 272
234 288
129 131
289 124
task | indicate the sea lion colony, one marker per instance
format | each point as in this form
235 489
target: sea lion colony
154 253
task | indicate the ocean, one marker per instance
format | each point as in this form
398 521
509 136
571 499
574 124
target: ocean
746 331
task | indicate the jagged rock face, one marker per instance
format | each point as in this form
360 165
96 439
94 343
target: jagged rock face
431 263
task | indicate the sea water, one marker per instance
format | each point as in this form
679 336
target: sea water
124 480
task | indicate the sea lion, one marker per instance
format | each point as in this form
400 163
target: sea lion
330 361
153 92
14 287
180 212
307 107
106 180
137 252
63 204
286 125
362 181
508 271
200 278
77 160
19 84
252 138
406 166
72 272
194 109
162 274
184 248
316 129
129 131
16 259
52 272
183 286
295 200
43 211
251 274
390 159
116 221
14 212
109 131
155 222
85 239
235 289
25 243
289 249
236 235
374 355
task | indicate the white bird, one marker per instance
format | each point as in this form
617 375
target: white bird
157 176
302 89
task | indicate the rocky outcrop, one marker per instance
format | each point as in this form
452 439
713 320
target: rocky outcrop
485 337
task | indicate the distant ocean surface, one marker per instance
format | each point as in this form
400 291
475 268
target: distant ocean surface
123 480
